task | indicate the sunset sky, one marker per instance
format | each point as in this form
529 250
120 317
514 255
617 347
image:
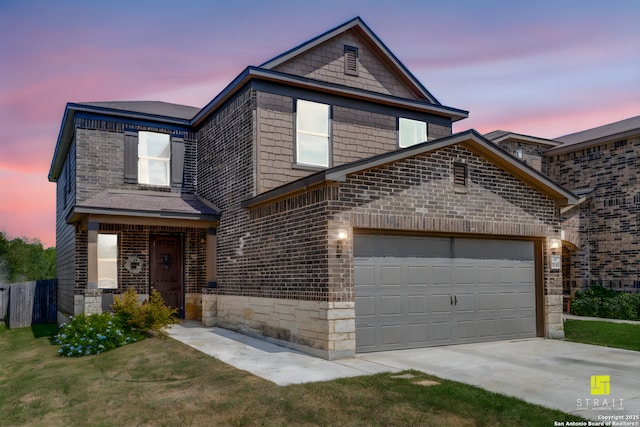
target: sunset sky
543 68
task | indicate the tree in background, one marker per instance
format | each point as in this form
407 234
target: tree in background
23 259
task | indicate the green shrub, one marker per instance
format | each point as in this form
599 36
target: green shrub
93 334
598 301
150 317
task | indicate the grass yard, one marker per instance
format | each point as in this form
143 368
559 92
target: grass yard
608 334
163 382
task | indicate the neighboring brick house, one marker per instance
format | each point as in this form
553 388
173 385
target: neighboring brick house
601 166
319 201
600 234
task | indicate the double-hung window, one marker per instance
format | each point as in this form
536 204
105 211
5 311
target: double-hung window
312 133
154 158
411 132
107 261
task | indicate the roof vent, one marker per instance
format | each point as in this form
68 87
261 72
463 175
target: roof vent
459 174
351 60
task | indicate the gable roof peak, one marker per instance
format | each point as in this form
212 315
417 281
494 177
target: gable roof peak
373 40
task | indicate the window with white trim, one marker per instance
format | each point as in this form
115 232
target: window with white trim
154 158
411 132
312 133
107 261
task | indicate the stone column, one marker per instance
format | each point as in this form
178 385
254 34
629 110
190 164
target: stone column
92 255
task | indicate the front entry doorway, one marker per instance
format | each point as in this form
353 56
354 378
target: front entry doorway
165 269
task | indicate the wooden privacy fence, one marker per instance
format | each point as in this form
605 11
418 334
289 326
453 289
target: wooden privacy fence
4 300
29 303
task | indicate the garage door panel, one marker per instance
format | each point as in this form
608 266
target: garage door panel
417 304
365 306
419 333
441 304
526 300
486 328
465 275
506 300
409 301
486 302
509 327
508 275
441 332
441 275
366 336
486 275
391 304
466 329
464 303
391 334
364 275
528 325
390 275
418 275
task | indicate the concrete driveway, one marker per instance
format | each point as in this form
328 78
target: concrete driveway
551 373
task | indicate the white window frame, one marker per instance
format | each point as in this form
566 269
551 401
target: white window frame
107 264
302 158
144 177
407 124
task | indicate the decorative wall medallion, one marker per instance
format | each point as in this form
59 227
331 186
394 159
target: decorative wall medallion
133 264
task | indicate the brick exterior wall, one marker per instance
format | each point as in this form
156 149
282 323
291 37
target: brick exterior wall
326 63
226 177
531 153
100 158
65 235
608 251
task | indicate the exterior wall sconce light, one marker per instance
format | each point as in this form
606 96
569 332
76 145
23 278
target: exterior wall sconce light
555 246
342 237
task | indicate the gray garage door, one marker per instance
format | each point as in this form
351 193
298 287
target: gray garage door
425 291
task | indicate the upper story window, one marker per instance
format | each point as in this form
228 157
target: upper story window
107 261
411 132
312 133
154 158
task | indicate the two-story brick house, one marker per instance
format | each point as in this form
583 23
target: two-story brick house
319 201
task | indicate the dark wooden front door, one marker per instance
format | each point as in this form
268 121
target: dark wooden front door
166 268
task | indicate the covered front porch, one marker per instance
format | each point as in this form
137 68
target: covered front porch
144 240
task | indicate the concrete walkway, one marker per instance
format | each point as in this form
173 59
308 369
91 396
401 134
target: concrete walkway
566 316
551 373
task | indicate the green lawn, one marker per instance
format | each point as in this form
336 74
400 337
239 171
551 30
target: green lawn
163 382
608 334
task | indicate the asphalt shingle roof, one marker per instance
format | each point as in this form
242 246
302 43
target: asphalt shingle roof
156 108
147 203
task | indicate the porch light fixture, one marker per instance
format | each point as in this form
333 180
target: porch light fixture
555 244
342 236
